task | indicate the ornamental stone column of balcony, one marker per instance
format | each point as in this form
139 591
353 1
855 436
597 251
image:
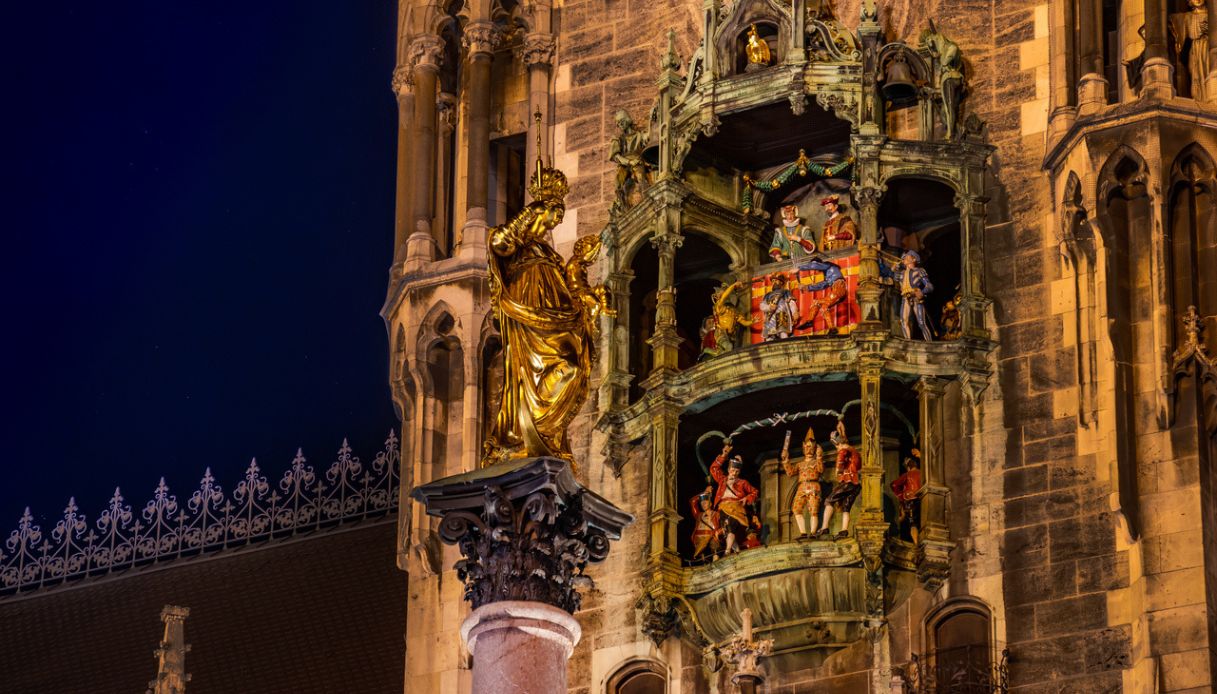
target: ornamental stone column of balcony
526 531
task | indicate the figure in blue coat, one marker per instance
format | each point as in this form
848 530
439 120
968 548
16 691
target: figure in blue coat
914 283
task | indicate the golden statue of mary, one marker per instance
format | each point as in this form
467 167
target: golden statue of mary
546 315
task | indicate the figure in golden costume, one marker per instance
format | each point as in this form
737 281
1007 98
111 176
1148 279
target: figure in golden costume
546 313
807 494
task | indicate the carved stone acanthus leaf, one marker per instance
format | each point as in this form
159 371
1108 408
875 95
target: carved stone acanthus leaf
933 559
425 51
403 80
868 196
526 531
481 37
538 49
535 551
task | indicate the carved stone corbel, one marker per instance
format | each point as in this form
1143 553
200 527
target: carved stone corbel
538 49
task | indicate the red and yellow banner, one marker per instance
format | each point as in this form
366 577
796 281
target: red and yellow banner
846 311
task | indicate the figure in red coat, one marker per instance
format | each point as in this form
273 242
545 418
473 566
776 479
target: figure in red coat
845 489
907 489
706 529
733 498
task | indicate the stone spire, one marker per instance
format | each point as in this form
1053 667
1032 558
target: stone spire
171 677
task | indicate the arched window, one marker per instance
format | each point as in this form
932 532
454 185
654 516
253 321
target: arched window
962 653
639 677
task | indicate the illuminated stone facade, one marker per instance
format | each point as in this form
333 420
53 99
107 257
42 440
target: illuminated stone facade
1057 186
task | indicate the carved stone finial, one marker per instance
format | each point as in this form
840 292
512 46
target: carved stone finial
744 651
1194 350
171 677
670 60
538 49
526 530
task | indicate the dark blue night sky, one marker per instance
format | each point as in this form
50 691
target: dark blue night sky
197 228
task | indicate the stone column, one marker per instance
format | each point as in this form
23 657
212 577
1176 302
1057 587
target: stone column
403 88
665 341
1157 73
872 528
1092 86
934 546
171 676
870 290
974 304
1210 83
527 531
425 52
520 646
538 57
480 39
664 517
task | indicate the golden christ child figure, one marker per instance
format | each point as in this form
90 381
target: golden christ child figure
546 313
807 494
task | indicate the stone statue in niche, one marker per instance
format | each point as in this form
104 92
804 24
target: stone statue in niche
949 60
914 283
838 289
907 488
807 494
840 231
792 238
721 328
847 485
1190 30
757 51
733 498
707 533
633 172
779 309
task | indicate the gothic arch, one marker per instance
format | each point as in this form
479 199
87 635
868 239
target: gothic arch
638 676
1125 216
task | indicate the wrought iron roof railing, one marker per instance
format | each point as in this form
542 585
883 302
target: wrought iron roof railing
302 500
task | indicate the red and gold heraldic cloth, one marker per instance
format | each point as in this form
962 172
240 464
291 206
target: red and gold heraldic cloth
846 311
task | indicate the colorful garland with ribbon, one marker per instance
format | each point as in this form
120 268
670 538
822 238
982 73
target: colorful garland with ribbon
801 166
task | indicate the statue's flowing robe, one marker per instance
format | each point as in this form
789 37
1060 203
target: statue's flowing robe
546 362
1189 26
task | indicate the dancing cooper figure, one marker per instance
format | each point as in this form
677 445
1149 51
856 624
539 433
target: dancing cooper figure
546 313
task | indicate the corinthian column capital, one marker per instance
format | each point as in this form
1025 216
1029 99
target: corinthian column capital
403 80
426 52
482 38
538 49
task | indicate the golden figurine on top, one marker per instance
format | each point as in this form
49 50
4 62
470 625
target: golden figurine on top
546 313
757 51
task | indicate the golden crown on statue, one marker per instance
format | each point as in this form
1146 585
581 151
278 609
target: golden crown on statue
548 185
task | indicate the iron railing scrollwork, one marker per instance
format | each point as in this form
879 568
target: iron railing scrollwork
301 501
964 670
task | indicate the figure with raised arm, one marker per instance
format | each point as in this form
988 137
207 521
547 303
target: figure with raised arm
807 494
733 497
848 484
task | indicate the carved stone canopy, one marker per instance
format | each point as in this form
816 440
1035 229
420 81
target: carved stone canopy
526 530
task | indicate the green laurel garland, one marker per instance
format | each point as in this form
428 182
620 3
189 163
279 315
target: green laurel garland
802 167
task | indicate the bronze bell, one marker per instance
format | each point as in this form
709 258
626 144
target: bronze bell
898 86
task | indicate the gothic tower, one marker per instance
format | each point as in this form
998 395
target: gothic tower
974 241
